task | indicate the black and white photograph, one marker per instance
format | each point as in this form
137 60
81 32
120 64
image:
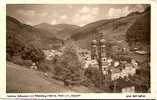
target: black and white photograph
78 48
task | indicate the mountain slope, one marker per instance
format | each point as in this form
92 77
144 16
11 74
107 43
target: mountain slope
24 80
112 30
17 31
140 30
21 79
62 31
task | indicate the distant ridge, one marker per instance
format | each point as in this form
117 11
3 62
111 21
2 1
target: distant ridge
62 31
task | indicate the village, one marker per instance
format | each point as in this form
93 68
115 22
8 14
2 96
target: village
101 55
117 69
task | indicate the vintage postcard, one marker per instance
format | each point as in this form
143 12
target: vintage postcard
78 49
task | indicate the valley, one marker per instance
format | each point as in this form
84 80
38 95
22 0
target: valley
62 56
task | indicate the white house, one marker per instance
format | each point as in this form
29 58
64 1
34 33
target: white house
128 70
50 54
128 89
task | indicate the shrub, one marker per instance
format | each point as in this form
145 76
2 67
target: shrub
93 76
87 82
17 60
44 66
8 57
27 62
33 53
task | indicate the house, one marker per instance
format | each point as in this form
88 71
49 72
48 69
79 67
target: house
91 63
130 89
50 54
134 63
116 63
125 72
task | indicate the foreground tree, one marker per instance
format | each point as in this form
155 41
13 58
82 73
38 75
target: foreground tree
68 67
33 53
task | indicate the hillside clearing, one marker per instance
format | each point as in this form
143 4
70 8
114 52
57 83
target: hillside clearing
21 79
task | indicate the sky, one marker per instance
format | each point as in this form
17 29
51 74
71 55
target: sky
76 14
